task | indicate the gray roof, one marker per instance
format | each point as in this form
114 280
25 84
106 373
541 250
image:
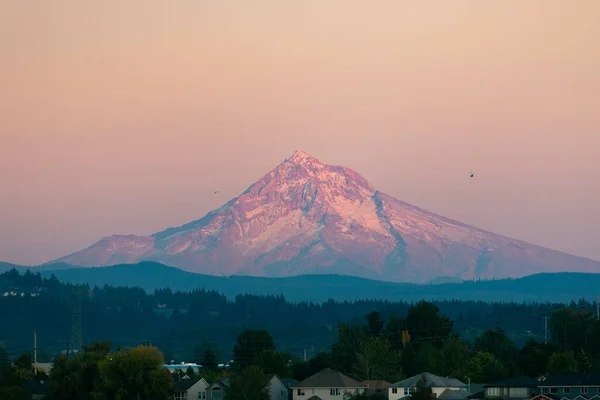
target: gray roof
329 378
573 379
289 382
519 381
449 394
432 381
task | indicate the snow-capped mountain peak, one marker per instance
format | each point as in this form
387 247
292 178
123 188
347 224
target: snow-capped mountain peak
305 216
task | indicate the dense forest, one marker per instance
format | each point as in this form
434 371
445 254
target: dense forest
421 341
180 322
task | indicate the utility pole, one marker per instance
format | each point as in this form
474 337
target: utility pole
545 330
34 353
598 306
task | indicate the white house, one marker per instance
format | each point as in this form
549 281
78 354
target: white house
440 387
277 388
187 389
327 385
216 391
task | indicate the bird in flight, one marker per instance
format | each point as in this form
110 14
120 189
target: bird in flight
216 191
472 174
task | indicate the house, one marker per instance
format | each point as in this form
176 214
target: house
477 390
216 391
575 386
516 387
38 389
437 384
327 385
277 388
290 382
187 389
44 367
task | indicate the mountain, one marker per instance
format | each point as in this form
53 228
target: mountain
559 287
307 217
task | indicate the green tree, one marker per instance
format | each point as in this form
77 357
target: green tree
135 373
583 362
4 360
78 377
303 369
562 363
485 367
495 341
394 332
408 360
249 384
569 327
454 359
273 362
12 378
345 350
427 358
422 391
378 361
426 325
209 360
250 343
533 358
374 323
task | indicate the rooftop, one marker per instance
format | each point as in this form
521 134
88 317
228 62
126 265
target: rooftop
432 381
328 378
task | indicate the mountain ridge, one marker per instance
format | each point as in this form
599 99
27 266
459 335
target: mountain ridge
305 216
550 287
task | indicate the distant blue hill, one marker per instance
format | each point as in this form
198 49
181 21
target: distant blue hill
551 287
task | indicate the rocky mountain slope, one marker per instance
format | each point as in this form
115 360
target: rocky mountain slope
306 217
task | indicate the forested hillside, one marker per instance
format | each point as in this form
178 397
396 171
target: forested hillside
178 322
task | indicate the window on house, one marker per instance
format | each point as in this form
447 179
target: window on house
334 392
300 392
545 390
202 395
584 390
553 390
217 393
520 393
406 391
493 392
566 390
394 390
283 393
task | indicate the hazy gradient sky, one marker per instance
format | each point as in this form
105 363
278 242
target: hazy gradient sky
122 116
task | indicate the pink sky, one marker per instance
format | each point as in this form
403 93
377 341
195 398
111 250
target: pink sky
121 117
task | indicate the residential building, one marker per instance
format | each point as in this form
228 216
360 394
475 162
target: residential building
277 388
437 384
216 391
327 384
514 388
575 386
290 382
188 389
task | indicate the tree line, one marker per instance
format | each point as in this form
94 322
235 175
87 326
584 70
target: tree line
178 322
377 349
